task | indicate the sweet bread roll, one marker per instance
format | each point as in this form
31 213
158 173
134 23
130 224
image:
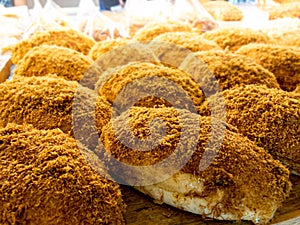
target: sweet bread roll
103 47
291 10
66 38
152 30
241 181
192 41
283 62
288 38
122 55
222 10
269 117
51 102
46 180
149 85
52 59
234 38
283 31
228 69
173 47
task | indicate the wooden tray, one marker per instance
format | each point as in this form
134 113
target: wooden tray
142 211
5 64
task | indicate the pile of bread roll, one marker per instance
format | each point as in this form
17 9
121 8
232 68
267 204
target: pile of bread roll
79 116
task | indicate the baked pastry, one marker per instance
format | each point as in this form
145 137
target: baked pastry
223 70
120 56
283 31
152 30
288 38
226 189
269 117
66 38
51 102
224 11
52 59
192 41
291 10
103 47
46 180
149 85
173 47
233 38
282 61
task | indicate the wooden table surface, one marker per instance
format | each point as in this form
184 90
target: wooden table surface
142 211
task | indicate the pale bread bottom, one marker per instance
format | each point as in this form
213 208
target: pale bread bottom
184 191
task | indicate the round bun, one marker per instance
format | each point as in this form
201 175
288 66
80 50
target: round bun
270 117
291 10
282 61
228 69
283 31
222 10
64 37
173 47
234 38
192 41
103 47
51 59
52 102
241 182
152 30
149 85
46 180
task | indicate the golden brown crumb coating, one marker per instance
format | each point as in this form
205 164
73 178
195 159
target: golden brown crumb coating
52 102
248 176
228 69
152 30
225 11
283 31
103 113
52 59
66 38
133 51
234 38
283 62
173 47
103 47
192 41
46 180
287 38
291 10
269 117
149 85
